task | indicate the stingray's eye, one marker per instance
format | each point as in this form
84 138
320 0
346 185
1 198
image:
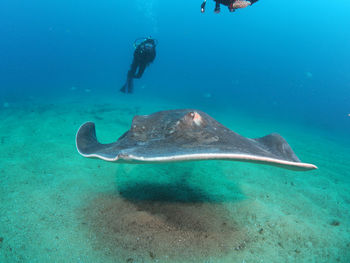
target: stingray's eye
192 114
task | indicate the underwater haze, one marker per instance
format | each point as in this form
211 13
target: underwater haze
275 66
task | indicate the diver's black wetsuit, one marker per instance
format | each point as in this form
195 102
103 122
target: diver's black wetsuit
221 2
144 54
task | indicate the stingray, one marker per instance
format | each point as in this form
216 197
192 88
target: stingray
186 135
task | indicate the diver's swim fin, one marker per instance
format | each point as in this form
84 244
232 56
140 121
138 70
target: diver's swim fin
128 86
123 89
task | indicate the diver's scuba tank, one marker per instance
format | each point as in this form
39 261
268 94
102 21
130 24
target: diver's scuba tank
140 40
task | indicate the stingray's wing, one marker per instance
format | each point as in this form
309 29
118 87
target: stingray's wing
271 149
88 145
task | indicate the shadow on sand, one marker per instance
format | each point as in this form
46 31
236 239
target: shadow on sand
165 219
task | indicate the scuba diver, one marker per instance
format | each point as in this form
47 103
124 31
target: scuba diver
231 4
144 54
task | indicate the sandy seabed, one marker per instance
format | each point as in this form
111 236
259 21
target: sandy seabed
57 206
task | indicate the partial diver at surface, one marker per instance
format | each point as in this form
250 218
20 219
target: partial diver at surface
232 5
186 135
144 54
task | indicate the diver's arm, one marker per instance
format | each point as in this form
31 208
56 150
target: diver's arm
203 6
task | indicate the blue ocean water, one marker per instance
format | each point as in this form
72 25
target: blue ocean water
290 57
283 64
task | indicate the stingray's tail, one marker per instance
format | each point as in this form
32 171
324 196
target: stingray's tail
86 140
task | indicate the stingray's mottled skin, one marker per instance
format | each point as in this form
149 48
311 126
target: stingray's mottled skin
185 135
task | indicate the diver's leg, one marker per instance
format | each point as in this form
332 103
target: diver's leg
130 84
133 68
142 68
129 79
131 76
217 7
